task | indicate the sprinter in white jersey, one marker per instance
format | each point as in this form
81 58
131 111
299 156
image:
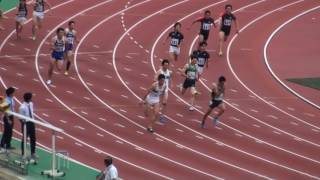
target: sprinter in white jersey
152 100
217 95
71 38
168 76
57 53
21 17
38 15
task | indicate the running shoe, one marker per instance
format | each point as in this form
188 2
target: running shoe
66 73
191 108
215 121
162 119
202 125
49 82
150 130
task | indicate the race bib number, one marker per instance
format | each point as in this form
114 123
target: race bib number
174 42
206 26
201 61
227 22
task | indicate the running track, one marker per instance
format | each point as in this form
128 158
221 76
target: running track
266 132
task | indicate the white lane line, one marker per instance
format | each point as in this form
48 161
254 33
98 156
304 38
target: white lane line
44 114
83 112
127 69
309 114
199 137
87 98
139 132
233 90
237 134
89 84
96 46
124 96
129 57
234 118
3 68
119 125
141 117
294 123
63 121
179 115
276 132
27 49
78 144
101 135
256 125
179 146
272 116
277 78
106 90
253 110
179 130
102 119
40 130
49 100
122 110
108 76
91 70
144 75
315 130
60 137
19 74
118 141
159 139
70 92
143 88
79 127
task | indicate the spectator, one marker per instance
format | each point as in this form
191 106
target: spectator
8 121
110 173
26 109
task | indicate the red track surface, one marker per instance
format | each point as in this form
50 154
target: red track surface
303 62
97 105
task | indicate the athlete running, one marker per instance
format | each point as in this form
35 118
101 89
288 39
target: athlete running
202 57
152 101
21 17
206 22
226 20
71 39
191 75
38 15
217 95
168 75
176 40
58 48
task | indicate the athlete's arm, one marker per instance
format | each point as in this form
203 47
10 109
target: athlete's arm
236 24
47 3
214 91
52 44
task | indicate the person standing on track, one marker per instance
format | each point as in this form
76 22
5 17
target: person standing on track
152 100
168 75
202 57
110 173
21 17
176 40
191 75
217 95
58 48
71 38
226 20
8 121
206 22
26 109
38 15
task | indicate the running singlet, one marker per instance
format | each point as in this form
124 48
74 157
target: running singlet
220 93
39 6
157 91
69 36
202 57
176 38
206 23
59 45
191 71
227 20
167 76
22 10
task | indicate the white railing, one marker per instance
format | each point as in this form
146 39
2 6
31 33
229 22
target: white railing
54 172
